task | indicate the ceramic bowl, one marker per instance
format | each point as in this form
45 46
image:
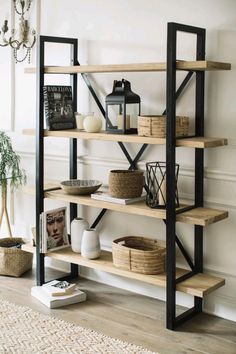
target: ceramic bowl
80 186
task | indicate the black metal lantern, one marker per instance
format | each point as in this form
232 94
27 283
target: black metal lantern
122 109
156 185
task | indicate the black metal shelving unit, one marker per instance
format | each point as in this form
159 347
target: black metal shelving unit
195 265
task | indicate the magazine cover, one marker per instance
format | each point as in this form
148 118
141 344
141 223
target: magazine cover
58 105
55 231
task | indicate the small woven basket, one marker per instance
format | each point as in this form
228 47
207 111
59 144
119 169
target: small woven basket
125 183
139 254
14 261
155 126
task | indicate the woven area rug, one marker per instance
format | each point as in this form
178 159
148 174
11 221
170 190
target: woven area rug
24 331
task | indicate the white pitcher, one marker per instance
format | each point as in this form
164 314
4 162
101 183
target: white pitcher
90 246
78 225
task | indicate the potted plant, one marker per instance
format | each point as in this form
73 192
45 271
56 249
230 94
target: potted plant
10 172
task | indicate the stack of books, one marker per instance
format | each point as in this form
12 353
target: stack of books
58 293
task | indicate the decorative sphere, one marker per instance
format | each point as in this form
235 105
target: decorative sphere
92 124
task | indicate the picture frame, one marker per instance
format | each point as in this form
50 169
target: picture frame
54 230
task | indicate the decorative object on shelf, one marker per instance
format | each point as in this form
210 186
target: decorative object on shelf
13 260
59 109
125 109
90 245
139 254
80 186
126 183
156 185
92 124
26 36
10 171
53 226
155 126
78 225
79 118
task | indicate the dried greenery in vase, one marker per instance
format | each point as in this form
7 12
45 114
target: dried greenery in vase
10 171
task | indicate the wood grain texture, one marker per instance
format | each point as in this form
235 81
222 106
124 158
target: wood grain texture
198 142
198 285
201 65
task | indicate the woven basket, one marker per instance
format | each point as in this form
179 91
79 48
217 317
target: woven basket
139 254
14 261
155 126
125 183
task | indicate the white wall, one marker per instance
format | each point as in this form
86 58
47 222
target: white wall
128 32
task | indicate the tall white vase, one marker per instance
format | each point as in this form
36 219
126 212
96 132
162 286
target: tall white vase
90 246
78 225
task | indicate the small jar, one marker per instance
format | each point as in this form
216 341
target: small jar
92 124
90 246
78 225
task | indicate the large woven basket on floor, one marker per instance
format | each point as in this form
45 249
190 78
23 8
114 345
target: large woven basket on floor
126 183
155 126
14 261
139 254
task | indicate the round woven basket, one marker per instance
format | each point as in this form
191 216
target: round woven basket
125 183
139 254
14 261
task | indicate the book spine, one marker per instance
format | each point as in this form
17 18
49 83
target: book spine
46 107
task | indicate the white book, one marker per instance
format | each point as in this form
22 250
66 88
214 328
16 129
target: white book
59 288
106 197
57 301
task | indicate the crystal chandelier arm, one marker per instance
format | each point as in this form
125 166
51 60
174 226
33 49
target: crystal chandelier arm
23 6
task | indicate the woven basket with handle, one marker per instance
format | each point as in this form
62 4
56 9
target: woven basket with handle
139 254
14 261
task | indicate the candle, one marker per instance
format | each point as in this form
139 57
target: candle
162 192
79 120
120 120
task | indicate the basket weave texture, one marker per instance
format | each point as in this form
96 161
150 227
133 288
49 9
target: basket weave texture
125 183
139 254
155 126
14 261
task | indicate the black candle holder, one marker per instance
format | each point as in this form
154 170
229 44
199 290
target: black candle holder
156 185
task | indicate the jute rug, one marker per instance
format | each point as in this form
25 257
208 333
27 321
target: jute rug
24 331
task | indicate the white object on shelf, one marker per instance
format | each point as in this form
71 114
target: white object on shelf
92 124
78 225
79 120
120 121
90 245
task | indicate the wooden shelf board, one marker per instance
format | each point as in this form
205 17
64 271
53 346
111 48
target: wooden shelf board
201 65
197 216
198 285
196 142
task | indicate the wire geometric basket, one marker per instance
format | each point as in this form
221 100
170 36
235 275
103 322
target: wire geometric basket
156 185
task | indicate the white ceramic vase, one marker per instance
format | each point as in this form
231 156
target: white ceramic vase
78 225
92 124
90 246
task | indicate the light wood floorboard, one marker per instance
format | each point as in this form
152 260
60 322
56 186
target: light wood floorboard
130 317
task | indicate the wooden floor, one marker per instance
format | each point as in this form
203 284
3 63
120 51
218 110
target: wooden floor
130 317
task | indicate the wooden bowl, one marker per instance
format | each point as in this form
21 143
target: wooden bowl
80 186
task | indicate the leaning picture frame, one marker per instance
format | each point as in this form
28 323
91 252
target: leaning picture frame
54 230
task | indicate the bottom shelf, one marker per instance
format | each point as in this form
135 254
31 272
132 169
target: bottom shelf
198 285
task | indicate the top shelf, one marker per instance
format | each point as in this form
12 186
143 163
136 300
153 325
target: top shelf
201 65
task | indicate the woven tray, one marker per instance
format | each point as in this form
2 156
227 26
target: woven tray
14 261
139 254
155 126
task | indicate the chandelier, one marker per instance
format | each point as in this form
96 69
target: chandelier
26 36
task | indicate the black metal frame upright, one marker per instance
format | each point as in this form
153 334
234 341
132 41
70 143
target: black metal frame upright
172 239
173 28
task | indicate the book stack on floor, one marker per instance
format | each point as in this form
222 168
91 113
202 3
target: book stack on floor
58 293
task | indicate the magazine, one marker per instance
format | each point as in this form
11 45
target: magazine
53 230
58 105
103 195
57 301
59 288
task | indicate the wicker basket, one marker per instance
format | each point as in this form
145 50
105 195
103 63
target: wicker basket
125 183
155 126
14 261
139 254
